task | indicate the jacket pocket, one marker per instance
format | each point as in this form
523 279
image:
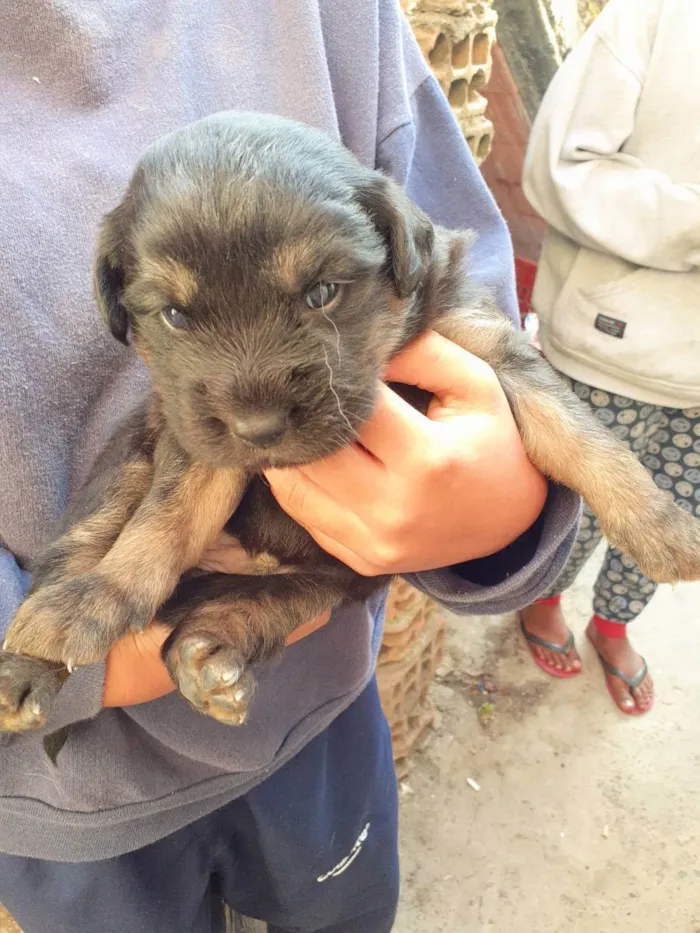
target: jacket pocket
623 319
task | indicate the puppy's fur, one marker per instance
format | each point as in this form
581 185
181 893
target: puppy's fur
226 227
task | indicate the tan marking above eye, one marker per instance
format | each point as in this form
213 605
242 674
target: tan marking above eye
290 262
171 278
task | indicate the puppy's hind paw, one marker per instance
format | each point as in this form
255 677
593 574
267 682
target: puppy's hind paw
211 676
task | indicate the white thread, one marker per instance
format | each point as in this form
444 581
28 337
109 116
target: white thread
330 369
335 328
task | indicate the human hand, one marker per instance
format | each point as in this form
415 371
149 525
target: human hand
135 672
417 493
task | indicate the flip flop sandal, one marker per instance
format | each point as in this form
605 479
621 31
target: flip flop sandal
631 682
550 646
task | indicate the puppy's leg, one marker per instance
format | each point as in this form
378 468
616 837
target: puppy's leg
28 685
77 622
565 441
222 624
85 543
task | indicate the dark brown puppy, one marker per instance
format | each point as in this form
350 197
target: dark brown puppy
266 278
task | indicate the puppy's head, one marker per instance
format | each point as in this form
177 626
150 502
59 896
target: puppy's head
266 277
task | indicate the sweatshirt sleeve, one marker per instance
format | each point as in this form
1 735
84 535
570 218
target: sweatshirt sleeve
577 176
81 695
430 158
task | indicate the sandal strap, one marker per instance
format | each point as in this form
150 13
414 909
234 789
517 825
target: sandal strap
632 682
549 645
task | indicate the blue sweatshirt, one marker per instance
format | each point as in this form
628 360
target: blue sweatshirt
84 88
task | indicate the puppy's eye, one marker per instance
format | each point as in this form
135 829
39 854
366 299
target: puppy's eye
175 318
322 295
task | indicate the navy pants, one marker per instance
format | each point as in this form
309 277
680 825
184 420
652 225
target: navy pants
313 849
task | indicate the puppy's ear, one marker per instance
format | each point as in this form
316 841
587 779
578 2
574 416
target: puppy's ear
109 273
406 230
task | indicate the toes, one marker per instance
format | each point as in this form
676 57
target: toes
566 663
621 693
547 622
27 689
220 671
644 694
231 707
557 660
193 648
212 678
540 653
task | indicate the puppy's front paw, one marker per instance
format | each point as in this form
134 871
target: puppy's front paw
211 676
75 622
27 689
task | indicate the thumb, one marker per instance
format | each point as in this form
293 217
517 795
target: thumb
451 374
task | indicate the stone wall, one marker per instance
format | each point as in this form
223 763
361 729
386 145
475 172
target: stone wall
457 37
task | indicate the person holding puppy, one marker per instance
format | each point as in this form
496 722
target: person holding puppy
155 814
612 167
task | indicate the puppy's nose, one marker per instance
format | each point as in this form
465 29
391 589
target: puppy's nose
262 429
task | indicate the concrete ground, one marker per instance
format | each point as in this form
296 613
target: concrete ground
585 819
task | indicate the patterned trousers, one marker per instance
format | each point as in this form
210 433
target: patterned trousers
667 442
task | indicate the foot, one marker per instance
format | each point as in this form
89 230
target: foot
27 689
211 676
547 622
619 653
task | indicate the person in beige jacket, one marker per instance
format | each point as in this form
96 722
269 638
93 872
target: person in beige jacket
613 166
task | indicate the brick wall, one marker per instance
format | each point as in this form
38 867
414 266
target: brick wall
457 39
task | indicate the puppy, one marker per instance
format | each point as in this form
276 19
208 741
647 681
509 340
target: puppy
266 278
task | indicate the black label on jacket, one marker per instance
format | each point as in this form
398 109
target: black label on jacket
610 326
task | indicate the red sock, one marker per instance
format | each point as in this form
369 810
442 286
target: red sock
549 601
608 628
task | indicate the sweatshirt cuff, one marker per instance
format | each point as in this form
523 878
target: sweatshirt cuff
516 576
495 568
79 698
14 586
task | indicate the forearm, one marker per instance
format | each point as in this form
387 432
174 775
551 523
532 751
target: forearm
516 576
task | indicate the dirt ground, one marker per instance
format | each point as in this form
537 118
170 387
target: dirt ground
584 819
